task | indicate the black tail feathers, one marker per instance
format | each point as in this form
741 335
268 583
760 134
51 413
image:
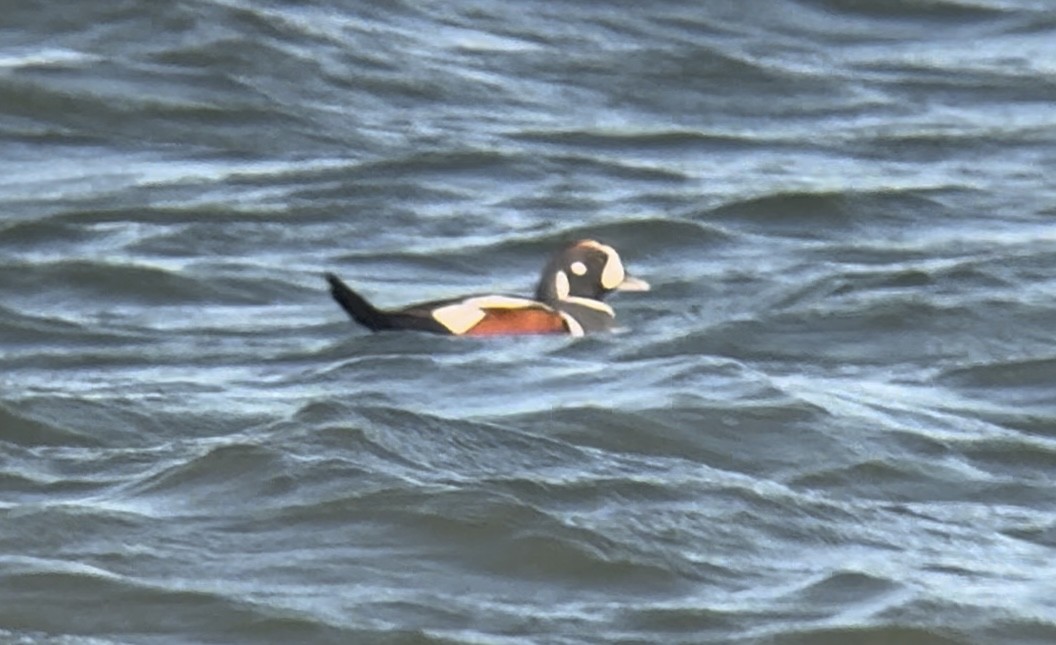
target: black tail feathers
357 306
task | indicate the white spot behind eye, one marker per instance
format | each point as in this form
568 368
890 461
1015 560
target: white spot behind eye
561 286
578 268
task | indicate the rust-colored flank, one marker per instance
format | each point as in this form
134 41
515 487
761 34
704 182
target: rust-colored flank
528 320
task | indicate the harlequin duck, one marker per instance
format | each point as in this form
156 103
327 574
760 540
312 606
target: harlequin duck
568 300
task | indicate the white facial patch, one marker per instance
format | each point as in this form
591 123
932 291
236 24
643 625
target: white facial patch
561 286
613 273
578 268
460 317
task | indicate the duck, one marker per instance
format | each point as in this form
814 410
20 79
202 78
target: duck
568 299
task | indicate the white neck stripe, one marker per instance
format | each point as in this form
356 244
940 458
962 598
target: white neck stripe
590 303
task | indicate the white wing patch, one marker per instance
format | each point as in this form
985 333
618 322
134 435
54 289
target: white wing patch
460 317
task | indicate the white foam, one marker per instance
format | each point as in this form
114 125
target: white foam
45 56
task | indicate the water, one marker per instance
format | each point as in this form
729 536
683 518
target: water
832 420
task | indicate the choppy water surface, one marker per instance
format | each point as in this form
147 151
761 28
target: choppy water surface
833 419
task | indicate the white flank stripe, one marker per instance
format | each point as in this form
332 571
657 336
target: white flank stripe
501 302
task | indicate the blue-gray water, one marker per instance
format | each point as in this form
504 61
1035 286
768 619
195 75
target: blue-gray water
833 420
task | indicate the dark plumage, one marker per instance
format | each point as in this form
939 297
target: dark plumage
568 299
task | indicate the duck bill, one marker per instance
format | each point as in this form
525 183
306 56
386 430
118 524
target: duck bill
632 284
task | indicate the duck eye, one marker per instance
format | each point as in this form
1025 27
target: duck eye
578 268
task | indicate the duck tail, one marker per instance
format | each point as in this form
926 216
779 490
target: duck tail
356 305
